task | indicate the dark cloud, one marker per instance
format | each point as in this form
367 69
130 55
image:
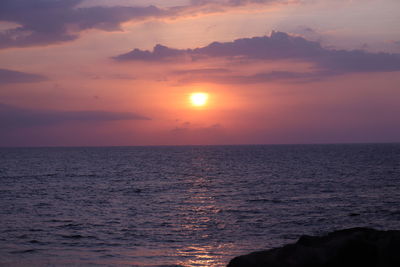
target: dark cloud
159 53
261 77
359 61
224 3
11 76
187 127
278 46
216 6
43 22
15 117
201 71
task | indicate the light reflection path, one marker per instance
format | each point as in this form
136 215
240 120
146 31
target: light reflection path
202 255
200 210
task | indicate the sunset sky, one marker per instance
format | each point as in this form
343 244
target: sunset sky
121 72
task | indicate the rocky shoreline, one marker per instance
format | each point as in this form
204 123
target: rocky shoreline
344 248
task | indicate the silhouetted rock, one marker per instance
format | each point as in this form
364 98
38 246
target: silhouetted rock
353 247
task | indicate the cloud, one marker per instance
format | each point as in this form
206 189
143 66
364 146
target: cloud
277 46
188 127
44 22
159 53
229 2
211 6
206 71
11 76
261 77
14 117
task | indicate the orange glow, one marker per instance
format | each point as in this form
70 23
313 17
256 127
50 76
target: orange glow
198 99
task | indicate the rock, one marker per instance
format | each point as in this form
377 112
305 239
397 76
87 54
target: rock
353 247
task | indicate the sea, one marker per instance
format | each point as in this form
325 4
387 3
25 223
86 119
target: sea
186 205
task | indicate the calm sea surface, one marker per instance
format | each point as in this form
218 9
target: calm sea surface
186 206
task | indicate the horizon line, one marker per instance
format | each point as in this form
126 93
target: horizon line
205 145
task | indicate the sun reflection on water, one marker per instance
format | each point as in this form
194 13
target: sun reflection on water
202 255
200 211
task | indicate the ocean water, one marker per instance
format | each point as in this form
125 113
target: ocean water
186 206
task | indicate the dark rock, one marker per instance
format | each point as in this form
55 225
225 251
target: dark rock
351 247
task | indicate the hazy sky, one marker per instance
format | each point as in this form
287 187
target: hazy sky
120 72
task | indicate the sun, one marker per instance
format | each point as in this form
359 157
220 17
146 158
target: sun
198 99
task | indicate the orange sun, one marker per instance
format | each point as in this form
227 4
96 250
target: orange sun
198 99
